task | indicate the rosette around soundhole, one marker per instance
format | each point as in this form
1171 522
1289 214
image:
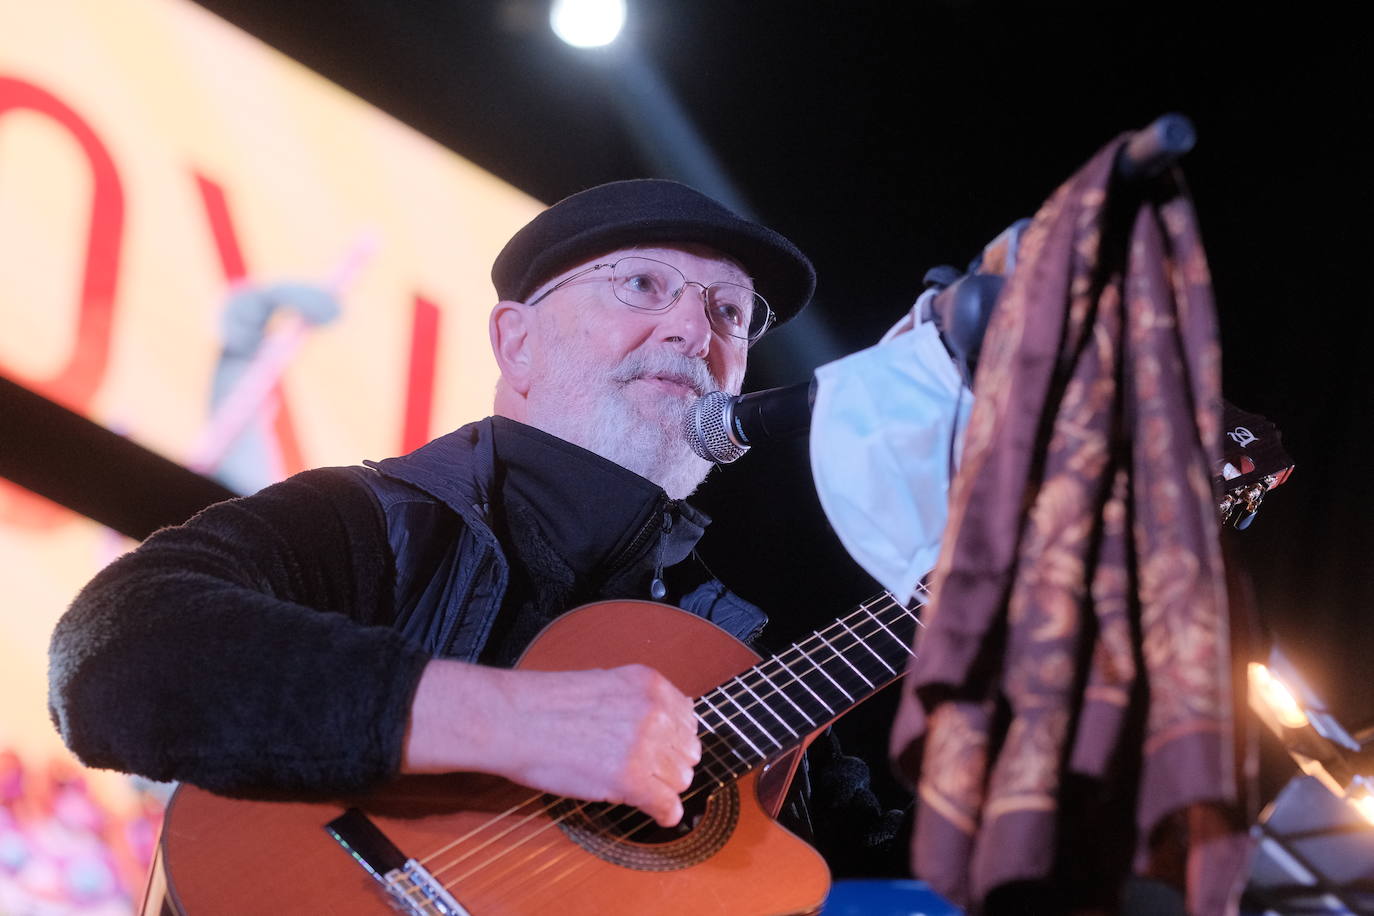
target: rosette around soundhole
627 836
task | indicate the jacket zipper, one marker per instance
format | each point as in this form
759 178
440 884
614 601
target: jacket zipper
663 523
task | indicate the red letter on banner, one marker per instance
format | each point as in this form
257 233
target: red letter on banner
424 344
78 379
231 260
74 384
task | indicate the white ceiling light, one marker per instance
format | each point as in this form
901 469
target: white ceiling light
587 23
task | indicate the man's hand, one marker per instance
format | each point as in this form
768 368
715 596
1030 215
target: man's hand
626 735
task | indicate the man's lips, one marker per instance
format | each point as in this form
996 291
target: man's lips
673 384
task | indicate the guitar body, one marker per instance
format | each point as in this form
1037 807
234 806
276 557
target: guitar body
246 857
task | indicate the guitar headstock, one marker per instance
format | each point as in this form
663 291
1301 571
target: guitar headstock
1253 462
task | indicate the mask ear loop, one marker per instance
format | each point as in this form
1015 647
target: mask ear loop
954 436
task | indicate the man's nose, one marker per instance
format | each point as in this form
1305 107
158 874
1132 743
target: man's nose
686 322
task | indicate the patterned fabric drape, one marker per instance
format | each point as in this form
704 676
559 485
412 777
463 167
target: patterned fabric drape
1076 661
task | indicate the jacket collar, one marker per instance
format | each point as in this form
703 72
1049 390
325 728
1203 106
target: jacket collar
458 468
455 469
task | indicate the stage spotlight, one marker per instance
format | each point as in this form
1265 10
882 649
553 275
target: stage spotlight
587 23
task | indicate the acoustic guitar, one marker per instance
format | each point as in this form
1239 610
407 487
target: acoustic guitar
472 844
475 845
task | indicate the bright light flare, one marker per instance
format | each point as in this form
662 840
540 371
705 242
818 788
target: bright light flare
587 23
1363 803
1276 697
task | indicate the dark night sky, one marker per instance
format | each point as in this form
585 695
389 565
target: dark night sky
887 138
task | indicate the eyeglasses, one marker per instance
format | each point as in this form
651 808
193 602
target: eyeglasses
653 286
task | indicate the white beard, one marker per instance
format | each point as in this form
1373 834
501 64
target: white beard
590 406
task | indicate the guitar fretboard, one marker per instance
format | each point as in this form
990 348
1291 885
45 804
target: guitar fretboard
773 706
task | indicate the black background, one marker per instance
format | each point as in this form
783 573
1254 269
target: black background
887 138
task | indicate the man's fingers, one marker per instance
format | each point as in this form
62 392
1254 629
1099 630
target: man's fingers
671 815
684 778
682 737
659 792
689 742
681 707
678 732
639 746
692 749
666 805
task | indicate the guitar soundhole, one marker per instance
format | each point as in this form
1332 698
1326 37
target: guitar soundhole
626 836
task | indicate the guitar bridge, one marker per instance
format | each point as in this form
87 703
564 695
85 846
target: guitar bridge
412 889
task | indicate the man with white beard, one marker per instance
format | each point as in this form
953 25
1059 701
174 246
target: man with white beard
596 370
350 624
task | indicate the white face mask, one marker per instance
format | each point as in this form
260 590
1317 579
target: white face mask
882 428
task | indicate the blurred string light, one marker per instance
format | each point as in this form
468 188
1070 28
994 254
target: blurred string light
587 23
1314 739
1361 799
1276 697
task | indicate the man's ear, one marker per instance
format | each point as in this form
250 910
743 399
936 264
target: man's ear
510 326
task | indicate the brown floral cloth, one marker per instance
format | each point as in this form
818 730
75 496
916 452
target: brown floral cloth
1072 694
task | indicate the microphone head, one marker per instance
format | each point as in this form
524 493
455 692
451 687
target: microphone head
706 427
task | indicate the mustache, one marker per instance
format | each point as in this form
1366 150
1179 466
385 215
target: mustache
668 365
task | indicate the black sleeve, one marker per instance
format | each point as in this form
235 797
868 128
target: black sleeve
857 834
833 806
246 651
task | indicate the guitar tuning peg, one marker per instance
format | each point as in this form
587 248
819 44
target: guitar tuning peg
1252 498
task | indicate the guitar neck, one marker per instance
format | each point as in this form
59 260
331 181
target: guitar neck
772 707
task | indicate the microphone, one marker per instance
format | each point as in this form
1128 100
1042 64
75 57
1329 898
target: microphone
721 427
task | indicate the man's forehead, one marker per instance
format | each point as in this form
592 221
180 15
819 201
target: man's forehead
693 258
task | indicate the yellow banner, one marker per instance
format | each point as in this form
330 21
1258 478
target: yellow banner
165 177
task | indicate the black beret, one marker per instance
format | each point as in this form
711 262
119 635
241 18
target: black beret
644 210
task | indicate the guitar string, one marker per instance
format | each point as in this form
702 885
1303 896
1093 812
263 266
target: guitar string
548 806
526 876
728 769
538 796
865 609
616 826
512 827
492 878
772 688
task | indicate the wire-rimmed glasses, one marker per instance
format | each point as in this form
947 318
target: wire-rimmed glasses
650 285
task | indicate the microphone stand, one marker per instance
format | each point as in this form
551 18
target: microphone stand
964 301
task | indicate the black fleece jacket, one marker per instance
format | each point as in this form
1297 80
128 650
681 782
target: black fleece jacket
249 649
273 643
